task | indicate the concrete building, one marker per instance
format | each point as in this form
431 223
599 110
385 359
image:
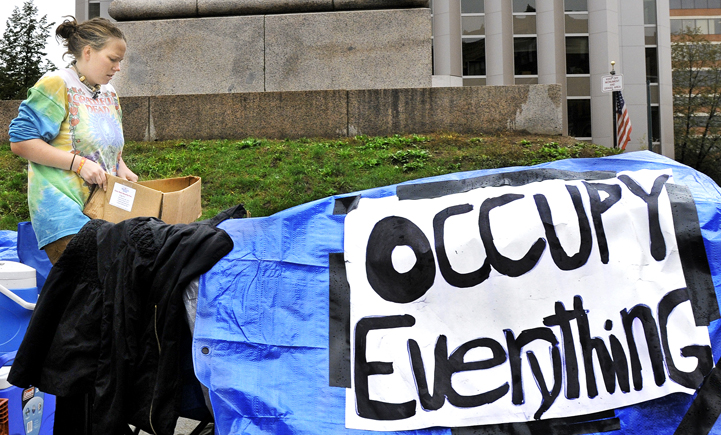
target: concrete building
702 14
87 9
569 42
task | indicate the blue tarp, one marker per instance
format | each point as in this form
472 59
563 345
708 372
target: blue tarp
29 254
261 340
22 246
8 246
262 343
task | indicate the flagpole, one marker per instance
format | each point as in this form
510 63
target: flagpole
613 108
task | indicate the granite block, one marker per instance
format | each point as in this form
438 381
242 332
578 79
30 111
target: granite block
136 112
348 50
125 10
192 56
136 10
135 117
208 8
542 112
534 109
486 109
265 114
343 5
8 112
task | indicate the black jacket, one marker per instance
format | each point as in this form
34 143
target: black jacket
109 318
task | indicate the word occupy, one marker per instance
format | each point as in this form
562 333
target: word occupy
395 231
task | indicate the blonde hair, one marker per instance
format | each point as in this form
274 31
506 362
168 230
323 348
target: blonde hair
95 33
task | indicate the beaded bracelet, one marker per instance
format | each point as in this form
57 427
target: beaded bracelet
80 166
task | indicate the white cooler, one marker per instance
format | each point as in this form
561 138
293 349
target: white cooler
18 294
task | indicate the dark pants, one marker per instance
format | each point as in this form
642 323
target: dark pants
73 415
56 248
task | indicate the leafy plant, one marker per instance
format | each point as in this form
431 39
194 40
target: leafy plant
248 143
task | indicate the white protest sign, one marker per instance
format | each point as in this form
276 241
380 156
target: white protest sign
122 197
467 310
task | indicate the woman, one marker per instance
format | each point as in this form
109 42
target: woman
70 130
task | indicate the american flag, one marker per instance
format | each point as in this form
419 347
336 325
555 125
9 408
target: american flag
623 123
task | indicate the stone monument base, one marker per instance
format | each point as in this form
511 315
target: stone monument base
366 49
535 109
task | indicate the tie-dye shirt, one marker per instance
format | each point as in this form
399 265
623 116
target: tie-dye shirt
60 110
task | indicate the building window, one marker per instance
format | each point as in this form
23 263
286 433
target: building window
579 118
473 25
474 57
525 56
578 86
472 6
651 42
578 71
524 6
577 61
473 31
576 5
524 24
710 26
93 10
649 11
652 64
577 23
655 124
525 44
695 4
650 35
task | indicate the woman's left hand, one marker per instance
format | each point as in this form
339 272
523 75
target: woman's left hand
124 172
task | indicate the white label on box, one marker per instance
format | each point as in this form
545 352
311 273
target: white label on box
122 197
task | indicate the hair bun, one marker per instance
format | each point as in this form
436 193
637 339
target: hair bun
67 28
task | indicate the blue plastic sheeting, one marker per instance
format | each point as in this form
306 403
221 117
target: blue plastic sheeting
30 255
261 340
22 247
8 246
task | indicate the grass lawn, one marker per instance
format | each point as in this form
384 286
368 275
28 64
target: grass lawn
272 175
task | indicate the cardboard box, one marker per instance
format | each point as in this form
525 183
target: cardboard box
173 200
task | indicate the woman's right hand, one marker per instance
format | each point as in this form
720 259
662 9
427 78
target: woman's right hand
93 173
41 152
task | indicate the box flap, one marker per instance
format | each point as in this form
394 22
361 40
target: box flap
95 206
171 184
181 205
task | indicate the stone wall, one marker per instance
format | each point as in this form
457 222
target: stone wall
132 10
367 49
534 109
8 112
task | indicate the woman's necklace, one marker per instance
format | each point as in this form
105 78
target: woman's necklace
94 89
